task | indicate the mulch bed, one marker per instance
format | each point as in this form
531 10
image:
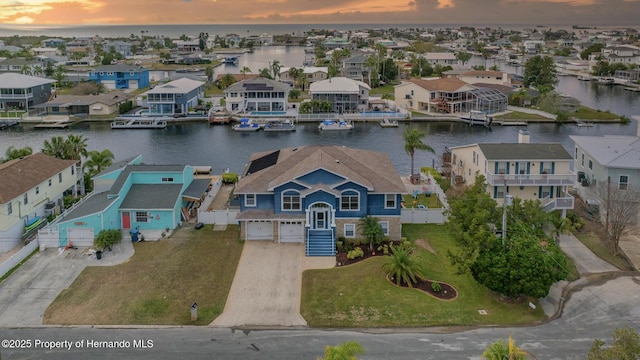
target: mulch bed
447 292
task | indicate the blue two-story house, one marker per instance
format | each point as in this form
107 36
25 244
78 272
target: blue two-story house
120 76
132 195
314 194
175 97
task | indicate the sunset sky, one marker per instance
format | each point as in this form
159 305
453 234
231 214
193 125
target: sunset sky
125 12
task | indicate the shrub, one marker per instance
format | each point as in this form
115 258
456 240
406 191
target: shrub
624 120
355 253
106 238
229 178
436 287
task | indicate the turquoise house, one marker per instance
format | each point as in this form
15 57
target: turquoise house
132 195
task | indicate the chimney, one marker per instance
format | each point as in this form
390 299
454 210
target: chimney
523 137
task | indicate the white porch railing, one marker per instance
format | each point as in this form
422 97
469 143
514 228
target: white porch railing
559 203
567 179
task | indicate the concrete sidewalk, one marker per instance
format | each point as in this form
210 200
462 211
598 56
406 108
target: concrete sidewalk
630 245
27 293
267 286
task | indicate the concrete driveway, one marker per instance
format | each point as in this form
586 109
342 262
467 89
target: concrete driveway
585 260
267 285
27 293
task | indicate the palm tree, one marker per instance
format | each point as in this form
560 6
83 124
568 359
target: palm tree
275 68
244 71
501 351
265 73
76 146
293 74
371 230
98 161
226 80
37 70
59 75
13 153
413 142
56 147
345 351
372 65
25 70
208 71
402 266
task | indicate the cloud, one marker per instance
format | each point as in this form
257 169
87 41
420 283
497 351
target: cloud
595 12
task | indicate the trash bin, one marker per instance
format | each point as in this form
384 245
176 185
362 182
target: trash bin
134 235
98 255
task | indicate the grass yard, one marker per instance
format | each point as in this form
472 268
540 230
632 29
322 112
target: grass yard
381 90
586 113
157 285
359 295
422 199
517 115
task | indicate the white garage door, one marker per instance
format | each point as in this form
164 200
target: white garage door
80 236
259 230
291 231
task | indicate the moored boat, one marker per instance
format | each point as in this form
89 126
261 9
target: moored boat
475 117
606 80
246 125
138 123
219 118
329 124
388 123
584 77
285 125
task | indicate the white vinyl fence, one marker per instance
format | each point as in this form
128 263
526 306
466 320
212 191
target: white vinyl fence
218 217
422 216
18 257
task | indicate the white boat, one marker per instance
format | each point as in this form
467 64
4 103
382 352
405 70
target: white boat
335 125
606 80
584 77
285 125
388 123
246 125
476 117
219 117
138 123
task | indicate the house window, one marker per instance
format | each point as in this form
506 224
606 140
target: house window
546 169
385 227
590 164
624 182
582 160
142 216
349 230
291 201
250 200
502 168
474 157
576 154
37 190
546 192
167 179
9 208
500 192
131 73
390 201
350 200
522 168
59 177
49 182
73 170
25 199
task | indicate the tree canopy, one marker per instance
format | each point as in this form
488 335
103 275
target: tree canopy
540 73
626 346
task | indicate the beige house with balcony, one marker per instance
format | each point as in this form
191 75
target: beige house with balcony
523 170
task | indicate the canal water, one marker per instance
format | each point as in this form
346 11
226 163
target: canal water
222 148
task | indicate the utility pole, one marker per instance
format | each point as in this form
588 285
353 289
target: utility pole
606 225
507 202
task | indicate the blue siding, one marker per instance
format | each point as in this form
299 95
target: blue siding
159 219
320 196
376 205
90 221
321 177
263 201
122 78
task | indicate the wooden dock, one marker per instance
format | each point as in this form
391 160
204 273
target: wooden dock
53 125
634 89
7 123
510 123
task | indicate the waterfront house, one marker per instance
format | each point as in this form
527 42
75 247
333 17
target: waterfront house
132 195
600 158
31 187
52 43
257 94
484 77
524 170
448 96
312 74
344 94
442 58
355 67
315 194
23 92
333 43
93 105
122 47
232 40
175 97
19 65
120 76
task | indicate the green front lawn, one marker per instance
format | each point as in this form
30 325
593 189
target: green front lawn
360 296
517 115
157 285
381 90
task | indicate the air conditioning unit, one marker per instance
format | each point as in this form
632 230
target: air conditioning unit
584 182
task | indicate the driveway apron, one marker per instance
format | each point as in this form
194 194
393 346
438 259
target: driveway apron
267 286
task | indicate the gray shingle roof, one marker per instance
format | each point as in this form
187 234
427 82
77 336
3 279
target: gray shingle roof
179 86
152 197
120 68
611 151
93 204
524 152
196 188
370 169
241 85
20 81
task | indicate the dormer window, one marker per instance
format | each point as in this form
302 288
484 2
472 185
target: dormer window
291 201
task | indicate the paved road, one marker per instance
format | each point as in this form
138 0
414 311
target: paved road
593 312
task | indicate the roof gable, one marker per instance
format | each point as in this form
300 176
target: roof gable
443 84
